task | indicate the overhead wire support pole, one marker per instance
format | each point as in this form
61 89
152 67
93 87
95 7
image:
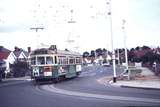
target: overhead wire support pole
118 56
71 21
36 29
111 33
126 56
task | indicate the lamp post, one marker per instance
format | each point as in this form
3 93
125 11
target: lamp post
111 33
126 56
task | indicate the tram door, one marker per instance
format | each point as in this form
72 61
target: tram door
71 68
71 71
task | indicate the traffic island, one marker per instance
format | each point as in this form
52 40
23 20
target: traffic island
146 80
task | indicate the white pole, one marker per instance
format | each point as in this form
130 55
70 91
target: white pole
113 51
126 56
118 57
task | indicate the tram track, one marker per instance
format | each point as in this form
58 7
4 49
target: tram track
53 89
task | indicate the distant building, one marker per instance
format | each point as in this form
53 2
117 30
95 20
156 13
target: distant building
8 57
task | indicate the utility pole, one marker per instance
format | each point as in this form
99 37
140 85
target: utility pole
37 29
126 56
118 56
69 41
111 31
71 21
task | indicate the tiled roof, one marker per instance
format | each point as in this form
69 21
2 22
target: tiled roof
17 53
25 53
4 53
2 49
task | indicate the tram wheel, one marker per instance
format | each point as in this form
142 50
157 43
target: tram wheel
56 80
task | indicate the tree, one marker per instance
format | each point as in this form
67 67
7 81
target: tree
20 68
146 48
85 54
131 56
92 53
137 48
99 52
104 51
132 50
149 57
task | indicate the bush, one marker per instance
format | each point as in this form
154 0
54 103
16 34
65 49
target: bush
19 69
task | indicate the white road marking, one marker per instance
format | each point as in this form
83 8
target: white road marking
51 88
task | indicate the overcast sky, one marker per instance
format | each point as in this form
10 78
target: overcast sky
92 27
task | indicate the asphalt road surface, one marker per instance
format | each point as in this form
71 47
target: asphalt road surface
83 91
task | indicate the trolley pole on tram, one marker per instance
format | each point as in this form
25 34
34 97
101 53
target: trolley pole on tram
111 33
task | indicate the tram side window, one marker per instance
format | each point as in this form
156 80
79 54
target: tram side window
59 61
71 61
49 60
78 60
40 60
33 60
62 60
65 60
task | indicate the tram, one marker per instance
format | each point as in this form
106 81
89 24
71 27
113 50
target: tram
53 64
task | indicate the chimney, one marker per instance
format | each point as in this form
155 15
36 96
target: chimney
16 48
29 49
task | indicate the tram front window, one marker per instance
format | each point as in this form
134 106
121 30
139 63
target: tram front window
33 60
40 60
49 60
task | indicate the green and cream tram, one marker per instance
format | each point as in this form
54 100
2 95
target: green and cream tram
53 64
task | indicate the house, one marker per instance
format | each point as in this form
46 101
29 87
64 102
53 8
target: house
20 54
8 57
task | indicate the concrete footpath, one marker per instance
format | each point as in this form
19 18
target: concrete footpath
147 80
13 81
16 79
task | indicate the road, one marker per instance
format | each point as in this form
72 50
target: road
83 91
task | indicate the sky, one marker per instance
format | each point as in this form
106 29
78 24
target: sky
91 29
